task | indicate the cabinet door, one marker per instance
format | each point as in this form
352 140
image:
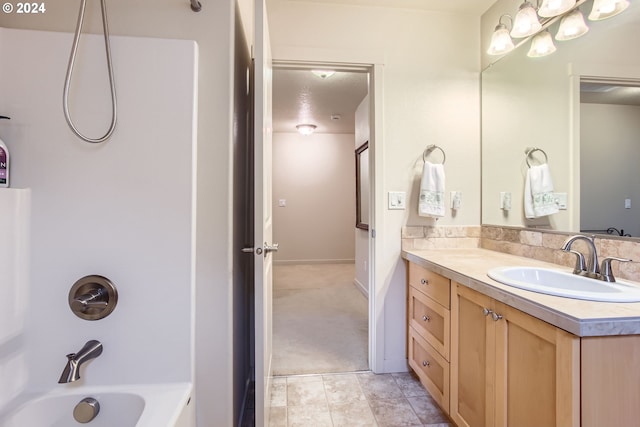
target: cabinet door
472 359
537 372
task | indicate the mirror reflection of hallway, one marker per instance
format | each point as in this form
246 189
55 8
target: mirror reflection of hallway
320 285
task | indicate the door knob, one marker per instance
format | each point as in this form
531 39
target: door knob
271 248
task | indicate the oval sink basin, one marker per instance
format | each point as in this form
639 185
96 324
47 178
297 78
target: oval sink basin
565 284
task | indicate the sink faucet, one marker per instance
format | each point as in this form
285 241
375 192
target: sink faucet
71 372
590 267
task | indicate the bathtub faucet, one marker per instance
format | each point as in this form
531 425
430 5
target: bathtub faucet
71 372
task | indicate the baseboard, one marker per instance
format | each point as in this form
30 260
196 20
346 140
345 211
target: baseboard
362 288
313 261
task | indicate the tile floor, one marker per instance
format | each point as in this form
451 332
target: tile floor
353 400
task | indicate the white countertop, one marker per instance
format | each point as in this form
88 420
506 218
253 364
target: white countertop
583 318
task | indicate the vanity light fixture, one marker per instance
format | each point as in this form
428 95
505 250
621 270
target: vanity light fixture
541 45
306 129
572 26
526 22
603 9
551 8
323 74
501 42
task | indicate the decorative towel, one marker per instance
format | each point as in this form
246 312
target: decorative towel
538 193
431 202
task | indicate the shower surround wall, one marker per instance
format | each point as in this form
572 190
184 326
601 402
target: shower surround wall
123 209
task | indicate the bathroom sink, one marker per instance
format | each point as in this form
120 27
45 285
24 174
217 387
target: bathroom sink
565 284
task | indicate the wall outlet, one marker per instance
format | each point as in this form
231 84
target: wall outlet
397 200
282 203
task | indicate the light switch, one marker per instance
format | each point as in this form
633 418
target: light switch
627 203
505 200
456 199
397 200
561 200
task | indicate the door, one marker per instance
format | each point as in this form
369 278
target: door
262 212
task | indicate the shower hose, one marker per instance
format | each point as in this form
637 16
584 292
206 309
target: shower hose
67 81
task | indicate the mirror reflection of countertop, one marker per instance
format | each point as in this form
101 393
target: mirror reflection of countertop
582 318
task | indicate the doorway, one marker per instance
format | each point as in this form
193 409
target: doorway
321 280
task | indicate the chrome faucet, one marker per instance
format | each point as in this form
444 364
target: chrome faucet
590 267
71 372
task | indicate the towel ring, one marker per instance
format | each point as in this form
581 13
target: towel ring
531 150
429 149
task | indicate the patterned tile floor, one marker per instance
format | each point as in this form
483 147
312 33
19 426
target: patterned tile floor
353 400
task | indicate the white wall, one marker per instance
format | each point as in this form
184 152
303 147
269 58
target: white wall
362 236
609 150
122 209
15 207
212 29
315 175
431 95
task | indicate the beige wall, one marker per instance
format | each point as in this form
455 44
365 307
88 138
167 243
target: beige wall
212 29
315 174
430 92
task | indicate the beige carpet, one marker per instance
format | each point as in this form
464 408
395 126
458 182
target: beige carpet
320 320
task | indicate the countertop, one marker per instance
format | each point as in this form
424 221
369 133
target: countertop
582 318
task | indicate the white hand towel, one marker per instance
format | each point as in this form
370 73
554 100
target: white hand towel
431 202
538 193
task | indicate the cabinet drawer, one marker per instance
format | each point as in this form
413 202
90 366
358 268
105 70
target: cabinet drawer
432 369
436 286
430 320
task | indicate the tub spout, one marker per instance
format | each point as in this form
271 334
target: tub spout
71 371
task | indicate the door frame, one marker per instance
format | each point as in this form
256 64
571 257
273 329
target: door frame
374 69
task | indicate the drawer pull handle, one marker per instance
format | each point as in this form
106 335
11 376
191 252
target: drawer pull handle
486 311
425 363
496 316
424 281
426 318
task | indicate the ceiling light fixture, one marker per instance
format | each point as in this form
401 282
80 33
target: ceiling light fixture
541 45
306 129
501 42
323 74
551 8
572 26
526 22
603 9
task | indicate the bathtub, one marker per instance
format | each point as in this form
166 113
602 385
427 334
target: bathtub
156 405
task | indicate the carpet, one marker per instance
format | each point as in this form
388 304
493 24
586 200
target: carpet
320 320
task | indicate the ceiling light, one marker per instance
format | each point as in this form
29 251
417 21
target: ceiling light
306 129
526 21
501 42
541 45
603 9
323 74
551 8
572 26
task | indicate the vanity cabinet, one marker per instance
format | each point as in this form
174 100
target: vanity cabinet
509 368
429 301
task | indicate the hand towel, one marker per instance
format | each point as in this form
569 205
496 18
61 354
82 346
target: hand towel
431 202
538 193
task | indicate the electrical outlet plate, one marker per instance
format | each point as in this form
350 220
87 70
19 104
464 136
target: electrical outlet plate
561 200
505 200
397 200
456 200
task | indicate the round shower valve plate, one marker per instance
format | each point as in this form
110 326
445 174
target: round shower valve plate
93 297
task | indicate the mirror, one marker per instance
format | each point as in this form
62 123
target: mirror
362 186
536 103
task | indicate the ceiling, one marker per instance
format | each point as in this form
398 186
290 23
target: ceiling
602 93
475 7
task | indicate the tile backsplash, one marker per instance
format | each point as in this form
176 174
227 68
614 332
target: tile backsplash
543 245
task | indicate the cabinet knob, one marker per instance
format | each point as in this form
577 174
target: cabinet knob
426 318
496 316
486 311
425 363
424 281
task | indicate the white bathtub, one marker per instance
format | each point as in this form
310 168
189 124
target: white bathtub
156 405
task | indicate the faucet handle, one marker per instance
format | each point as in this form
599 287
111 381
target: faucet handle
605 269
581 265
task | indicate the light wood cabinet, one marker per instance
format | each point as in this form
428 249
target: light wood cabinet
429 331
509 368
